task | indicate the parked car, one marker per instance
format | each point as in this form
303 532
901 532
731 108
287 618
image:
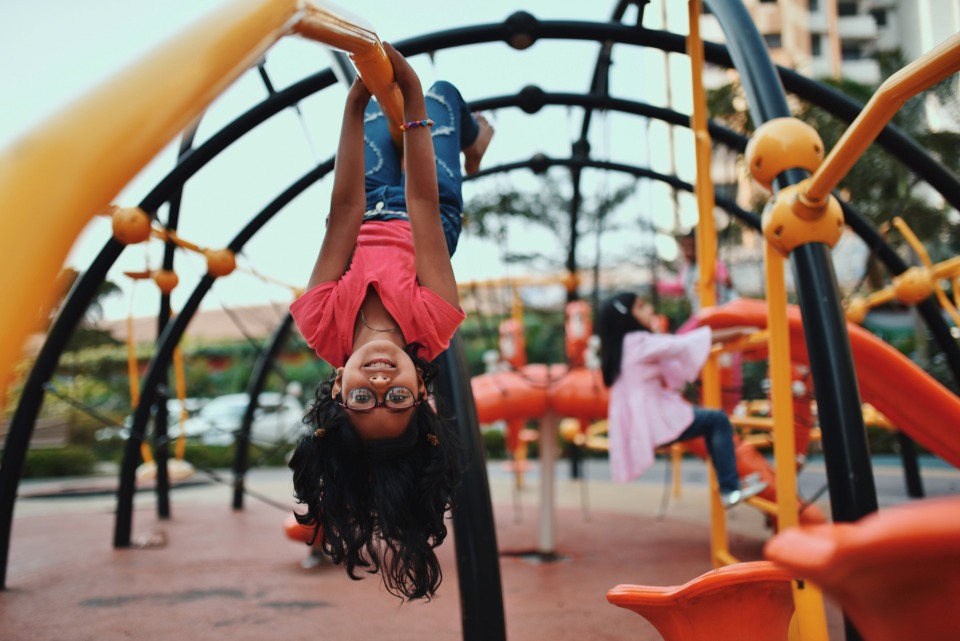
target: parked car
278 418
193 405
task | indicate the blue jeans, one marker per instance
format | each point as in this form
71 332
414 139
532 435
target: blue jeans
455 129
717 431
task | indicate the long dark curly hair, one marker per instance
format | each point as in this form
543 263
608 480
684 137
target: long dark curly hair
378 505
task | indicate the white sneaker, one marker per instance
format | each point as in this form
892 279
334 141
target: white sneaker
753 486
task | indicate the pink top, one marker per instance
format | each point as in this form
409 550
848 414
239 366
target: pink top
384 260
646 408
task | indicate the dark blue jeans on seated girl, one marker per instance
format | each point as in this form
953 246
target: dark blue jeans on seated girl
455 129
717 431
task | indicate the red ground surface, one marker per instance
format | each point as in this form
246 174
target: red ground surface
212 573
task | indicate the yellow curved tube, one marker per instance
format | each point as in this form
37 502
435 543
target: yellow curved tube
95 146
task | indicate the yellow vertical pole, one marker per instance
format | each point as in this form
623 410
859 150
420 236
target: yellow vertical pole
809 622
516 304
180 379
676 460
706 262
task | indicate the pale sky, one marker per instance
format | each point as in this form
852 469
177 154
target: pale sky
58 50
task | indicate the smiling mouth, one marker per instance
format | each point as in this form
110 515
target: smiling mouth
379 363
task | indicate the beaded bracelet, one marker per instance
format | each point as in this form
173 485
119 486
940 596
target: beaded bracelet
413 124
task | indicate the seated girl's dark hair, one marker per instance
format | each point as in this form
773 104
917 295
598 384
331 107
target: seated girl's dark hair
614 321
378 505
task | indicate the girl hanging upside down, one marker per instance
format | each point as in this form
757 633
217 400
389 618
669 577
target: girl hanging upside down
378 472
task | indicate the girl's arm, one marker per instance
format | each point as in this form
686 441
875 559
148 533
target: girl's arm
678 358
434 270
348 199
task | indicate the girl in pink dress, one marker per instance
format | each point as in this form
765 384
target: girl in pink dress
645 373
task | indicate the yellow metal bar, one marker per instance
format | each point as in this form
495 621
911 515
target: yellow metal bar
924 257
753 422
676 463
706 229
955 284
516 305
133 368
880 297
98 144
753 340
922 73
329 25
810 616
521 281
170 236
949 268
296 290
706 257
180 379
912 240
947 305
763 505
723 557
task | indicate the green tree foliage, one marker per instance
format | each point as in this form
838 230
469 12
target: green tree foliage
878 185
493 213
85 334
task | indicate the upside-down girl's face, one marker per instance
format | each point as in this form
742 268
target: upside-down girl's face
379 366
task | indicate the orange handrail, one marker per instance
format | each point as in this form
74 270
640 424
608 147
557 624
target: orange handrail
922 73
329 25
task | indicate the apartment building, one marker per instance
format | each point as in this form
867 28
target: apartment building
834 38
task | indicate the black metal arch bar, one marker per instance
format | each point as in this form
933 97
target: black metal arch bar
531 99
892 138
539 163
600 84
20 429
161 451
475 538
258 378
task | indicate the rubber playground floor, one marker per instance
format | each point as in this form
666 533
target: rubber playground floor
213 573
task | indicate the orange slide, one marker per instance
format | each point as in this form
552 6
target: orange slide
912 399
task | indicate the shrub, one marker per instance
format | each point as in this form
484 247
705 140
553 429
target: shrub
57 462
222 456
495 445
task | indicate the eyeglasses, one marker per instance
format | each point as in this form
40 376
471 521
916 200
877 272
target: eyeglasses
395 399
